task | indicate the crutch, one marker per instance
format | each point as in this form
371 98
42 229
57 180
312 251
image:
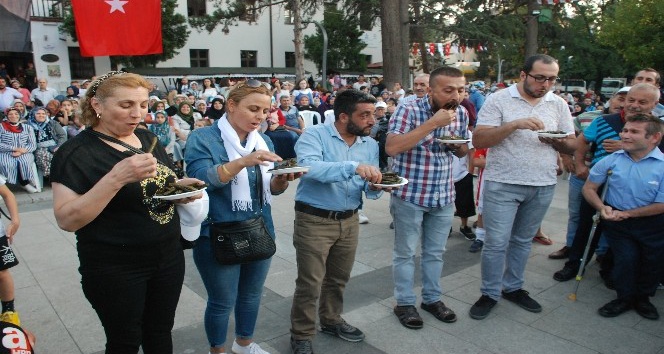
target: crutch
596 218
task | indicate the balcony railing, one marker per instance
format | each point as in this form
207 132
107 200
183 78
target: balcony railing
48 10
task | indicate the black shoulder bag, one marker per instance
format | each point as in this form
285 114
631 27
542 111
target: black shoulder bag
245 241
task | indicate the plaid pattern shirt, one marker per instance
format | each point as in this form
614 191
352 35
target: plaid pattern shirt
427 166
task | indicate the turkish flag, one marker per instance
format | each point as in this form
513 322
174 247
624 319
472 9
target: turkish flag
118 27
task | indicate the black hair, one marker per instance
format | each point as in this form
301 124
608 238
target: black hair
531 60
347 100
444 71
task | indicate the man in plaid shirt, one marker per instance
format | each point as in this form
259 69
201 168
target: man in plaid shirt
424 208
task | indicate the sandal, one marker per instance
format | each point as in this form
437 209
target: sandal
440 311
409 317
543 239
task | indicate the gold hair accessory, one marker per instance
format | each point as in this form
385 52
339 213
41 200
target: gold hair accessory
95 85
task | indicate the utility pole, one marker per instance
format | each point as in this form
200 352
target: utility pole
532 27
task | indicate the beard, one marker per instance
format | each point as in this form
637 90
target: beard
532 93
449 105
355 129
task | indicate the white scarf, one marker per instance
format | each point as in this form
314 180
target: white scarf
240 191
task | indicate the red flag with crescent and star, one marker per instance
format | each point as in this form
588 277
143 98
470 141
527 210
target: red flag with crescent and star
118 27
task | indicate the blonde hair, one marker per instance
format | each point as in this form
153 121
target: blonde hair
239 92
105 87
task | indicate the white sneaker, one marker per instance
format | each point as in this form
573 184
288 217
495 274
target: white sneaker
30 188
363 218
252 348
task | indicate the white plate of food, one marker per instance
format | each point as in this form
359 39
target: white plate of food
283 171
552 134
402 182
452 141
179 195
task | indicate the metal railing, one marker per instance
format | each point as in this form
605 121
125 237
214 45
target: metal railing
47 10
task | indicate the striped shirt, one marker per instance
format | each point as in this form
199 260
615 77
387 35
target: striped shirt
427 166
600 130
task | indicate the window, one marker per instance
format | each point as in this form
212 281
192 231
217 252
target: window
290 59
81 68
196 8
288 17
248 58
367 59
199 58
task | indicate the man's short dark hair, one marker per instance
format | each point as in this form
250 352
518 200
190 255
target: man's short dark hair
531 60
444 71
347 100
655 125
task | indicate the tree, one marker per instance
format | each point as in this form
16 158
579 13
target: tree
395 34
635 29
344 44
174 35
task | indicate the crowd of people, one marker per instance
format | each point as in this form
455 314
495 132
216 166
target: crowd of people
131 139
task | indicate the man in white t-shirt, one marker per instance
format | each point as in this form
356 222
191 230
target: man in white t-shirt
520 177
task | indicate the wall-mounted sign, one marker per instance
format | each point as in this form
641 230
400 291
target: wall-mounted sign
50 58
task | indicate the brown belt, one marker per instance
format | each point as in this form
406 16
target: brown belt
329 214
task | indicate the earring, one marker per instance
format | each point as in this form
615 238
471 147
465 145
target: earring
98 116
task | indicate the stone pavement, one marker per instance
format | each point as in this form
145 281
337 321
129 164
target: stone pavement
51 303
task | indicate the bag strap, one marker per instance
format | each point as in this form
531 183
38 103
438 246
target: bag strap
103 136
259 187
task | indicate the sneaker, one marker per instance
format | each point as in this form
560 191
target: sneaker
363 218
482 308
301 346
11 317
521 298
252 348
30 188
467 233
344 331
476 246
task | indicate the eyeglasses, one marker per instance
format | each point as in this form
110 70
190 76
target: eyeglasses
543 79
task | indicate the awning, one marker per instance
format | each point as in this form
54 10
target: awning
217 72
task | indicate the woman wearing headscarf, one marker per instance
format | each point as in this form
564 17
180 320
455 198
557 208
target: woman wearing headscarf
163 131
49 136
22 110
17 143
216 109
72 92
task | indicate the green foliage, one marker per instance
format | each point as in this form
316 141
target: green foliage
344 44
174 33
635 29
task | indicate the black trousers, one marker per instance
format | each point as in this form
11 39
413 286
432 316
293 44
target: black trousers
135 291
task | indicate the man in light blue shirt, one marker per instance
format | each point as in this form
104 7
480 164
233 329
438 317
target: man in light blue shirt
633 213
343 162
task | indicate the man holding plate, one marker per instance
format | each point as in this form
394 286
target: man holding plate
520 177
424 208
343 162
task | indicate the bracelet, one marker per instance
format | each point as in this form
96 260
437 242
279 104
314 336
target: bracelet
223 168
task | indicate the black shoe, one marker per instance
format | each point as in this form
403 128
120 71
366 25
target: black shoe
615 308
440 311
482 307
476 246
567 273
344 331
521 298
646 309
408 316
560 254
301 346
467 233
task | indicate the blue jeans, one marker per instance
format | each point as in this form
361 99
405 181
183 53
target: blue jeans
413 223
237 286
512 213
574 198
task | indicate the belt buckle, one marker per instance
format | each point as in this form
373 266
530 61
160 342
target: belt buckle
335 215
